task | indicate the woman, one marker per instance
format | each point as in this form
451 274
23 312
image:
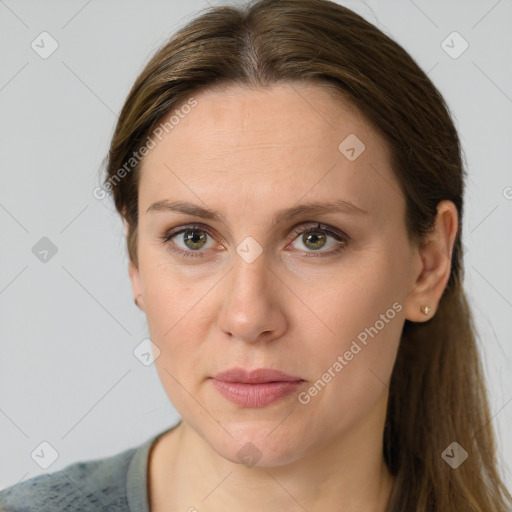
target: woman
291 185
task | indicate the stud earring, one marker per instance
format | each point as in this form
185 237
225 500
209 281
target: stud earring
425 310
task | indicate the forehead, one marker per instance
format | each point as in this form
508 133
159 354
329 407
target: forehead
286 140
300 114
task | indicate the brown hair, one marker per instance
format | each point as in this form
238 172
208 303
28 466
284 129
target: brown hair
437 394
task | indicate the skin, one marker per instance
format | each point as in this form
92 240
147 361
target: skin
247 154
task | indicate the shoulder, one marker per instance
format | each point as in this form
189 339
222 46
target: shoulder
94 485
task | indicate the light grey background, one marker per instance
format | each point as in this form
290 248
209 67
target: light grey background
68 375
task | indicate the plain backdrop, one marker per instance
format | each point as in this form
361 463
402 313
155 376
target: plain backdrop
69 328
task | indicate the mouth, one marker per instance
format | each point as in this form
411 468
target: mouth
256 388
258 376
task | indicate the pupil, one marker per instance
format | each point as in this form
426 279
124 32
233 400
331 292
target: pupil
191 236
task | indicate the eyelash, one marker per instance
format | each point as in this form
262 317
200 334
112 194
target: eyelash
340 237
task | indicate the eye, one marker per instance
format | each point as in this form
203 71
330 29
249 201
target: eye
313 237
193 239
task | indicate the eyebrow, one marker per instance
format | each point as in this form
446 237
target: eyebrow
315 208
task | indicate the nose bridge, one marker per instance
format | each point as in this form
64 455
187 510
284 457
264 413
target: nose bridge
250 274
251 306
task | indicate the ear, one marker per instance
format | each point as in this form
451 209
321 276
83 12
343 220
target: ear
134 274
433 264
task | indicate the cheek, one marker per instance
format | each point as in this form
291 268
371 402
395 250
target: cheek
176 313
178 326
361 308
172 295
178 319
364 335
353 370
367 286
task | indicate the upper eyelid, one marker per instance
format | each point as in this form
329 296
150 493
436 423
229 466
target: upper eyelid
170 233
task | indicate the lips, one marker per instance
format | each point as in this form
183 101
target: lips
256 388
258 376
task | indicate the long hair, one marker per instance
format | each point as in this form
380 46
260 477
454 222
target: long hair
437 394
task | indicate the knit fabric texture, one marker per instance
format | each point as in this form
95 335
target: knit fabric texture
115 484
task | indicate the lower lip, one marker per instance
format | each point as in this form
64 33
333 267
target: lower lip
255 395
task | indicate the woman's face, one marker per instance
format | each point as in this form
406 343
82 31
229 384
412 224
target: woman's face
250 290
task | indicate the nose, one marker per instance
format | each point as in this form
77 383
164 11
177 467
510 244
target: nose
253 309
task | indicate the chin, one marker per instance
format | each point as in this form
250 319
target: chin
252 446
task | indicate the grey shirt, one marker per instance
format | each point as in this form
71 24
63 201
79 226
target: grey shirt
117 483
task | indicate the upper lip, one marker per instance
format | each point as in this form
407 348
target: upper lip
256 376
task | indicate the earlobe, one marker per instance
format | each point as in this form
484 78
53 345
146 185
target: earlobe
435 255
